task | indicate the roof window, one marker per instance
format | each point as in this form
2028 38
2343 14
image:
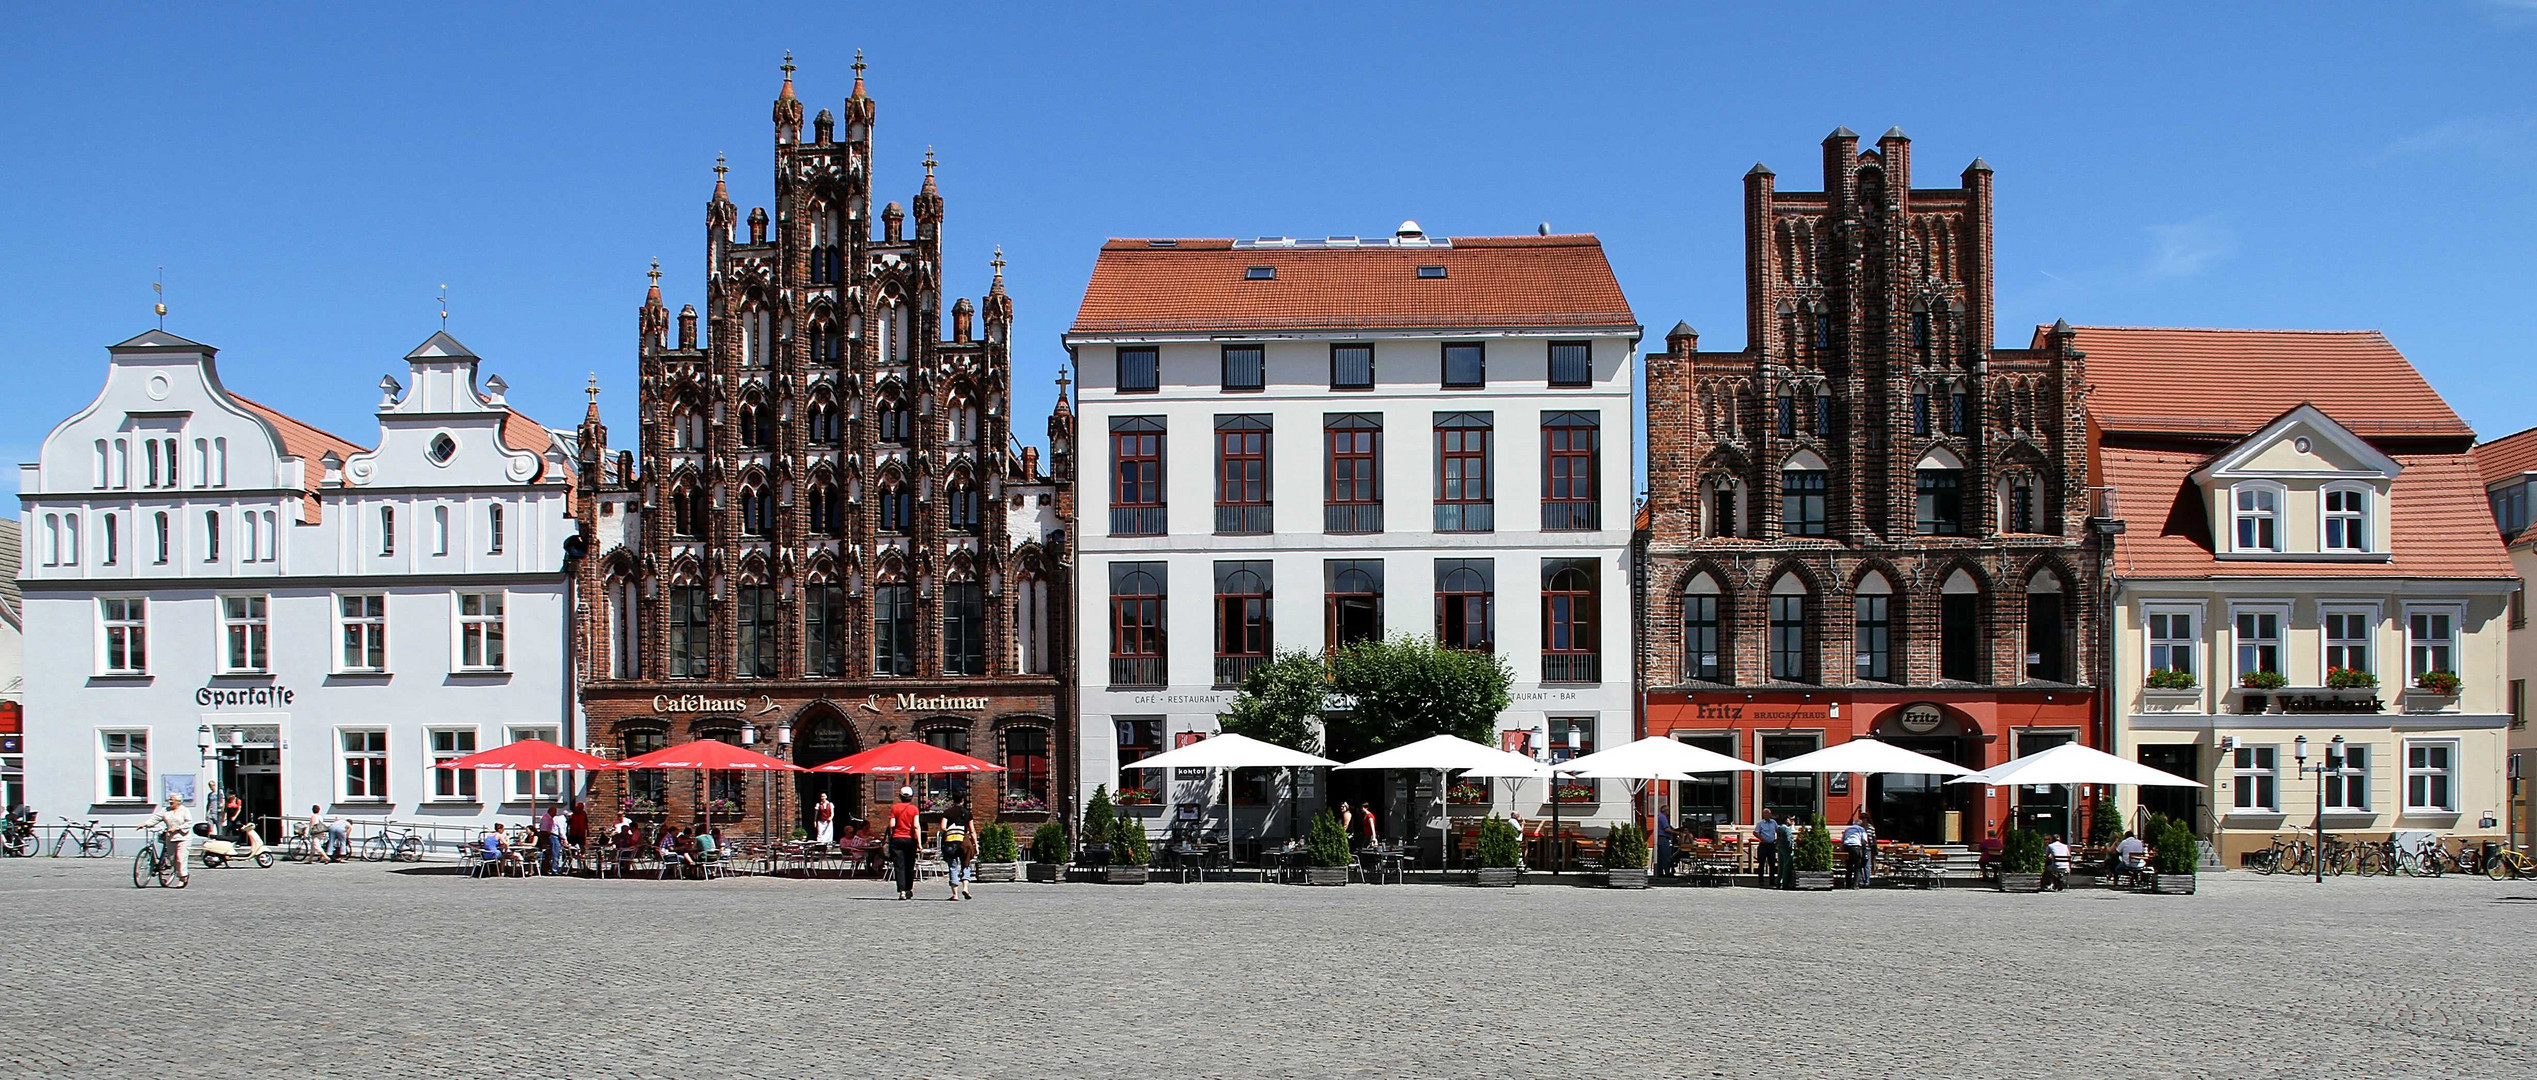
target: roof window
1162 243
1431 271
1260 273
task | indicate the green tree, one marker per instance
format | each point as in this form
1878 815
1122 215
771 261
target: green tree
1281 702
1406 689
1327 845
1814 847
1499 846
1101 824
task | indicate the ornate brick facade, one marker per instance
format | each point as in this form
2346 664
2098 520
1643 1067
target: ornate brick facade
1870 504
831 537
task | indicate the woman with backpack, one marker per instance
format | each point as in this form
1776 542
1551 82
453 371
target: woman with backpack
954 843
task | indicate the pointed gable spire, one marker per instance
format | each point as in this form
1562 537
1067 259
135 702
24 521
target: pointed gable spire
788 109
859 105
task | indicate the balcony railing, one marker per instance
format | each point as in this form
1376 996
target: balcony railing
1572 515
1352 517
1232 670
1136 521
1572 667
1244 519
1136 671
1466 517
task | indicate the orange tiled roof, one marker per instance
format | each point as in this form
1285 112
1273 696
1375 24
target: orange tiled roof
303 441
1490 281
2232 382
2507 456
2440 526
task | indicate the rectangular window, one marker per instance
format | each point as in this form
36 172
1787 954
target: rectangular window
1802 496
539 787
123 766
493 529
365 766
894 629
2519 704
2349 790
1957 418
1920 413
450 744
1352 591
1874 636
2347 519
1793 796
125 621
1136 465
2171 641
1821 424
1026 769
1242 476
2258 518
1466 604
480 635
1354 466
1140 369
1703 655
1243 633
211 536
159 543
2431 776
690 631
1788 638
1352 367
1466 364
1572 444
108 547
1464 480
243 632
824 634
964 628
1572 737
1572 623
2255 778
1706 798
1787 415
364 622
1140 737
1136 623
761 641
2259 642
2348 640
1939 502
1245 367
1571 363
2431 644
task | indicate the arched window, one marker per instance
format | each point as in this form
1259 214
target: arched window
1805 486
1352 601
1030 624
897 507
896 423
1872 628
827 511
646 790
1572 622
1787 413
894 628
757 426
1705 645
827 427
963 422
1788 648
2047 642
757 511
1938 487
2347 518
2021 503
827 346
1960 629
757 337
2256 516
961 500
1821 418
894 333
1466 604
689 512
1725 503
686 428
624 633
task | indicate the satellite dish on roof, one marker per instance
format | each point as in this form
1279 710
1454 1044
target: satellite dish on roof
1409 230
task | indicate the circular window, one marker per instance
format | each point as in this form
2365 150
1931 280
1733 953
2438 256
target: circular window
2300 444
158 387
443 447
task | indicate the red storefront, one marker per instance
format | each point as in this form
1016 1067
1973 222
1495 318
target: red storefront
1973 727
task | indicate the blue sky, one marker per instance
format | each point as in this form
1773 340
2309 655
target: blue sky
309 178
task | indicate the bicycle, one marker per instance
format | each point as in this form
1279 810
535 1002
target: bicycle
95 842
2510 862
391 844
152 864
307 846
17 840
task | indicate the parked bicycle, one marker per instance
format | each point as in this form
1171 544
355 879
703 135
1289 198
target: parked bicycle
400 843
90 840
2510 862
307 846
153 865
17 835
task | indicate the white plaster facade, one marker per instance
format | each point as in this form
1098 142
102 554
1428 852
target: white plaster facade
201 568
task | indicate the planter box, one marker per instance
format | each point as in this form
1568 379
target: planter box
1625 879
1123 875
1808 880
2021 882
1325 875
1046 872
995 872
1496 877
2171 884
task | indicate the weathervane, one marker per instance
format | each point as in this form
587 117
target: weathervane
444 306
158 290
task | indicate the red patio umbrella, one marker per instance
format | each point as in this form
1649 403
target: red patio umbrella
528 755
706 754
908 757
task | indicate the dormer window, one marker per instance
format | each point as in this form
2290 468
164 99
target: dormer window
2257 518
2347 519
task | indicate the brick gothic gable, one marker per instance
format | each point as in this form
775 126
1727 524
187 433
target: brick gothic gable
1868 329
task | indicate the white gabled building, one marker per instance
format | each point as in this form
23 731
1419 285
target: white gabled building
221 597
1293 444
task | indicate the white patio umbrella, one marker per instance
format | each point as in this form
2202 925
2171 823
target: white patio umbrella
2071 763
1508 766
1867 757
1445 754
1654 758
1227 752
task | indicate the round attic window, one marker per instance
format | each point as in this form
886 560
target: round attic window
2300 444
443 447
158 387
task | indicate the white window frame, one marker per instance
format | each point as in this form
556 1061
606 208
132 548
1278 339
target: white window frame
536 786
2456 615
2448 774
2340 790
2191 643
108 547
493 522
70 539
2327 642
2268 779
373 634
110 763
257 627
2280 639
135 623
2238 514
449 785
464 627
440 530
2358 520
345 756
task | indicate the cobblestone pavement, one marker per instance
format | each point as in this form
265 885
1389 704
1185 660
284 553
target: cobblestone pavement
360 970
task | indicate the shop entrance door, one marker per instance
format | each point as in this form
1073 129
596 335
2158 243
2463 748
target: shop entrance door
254 774
1914 808
2182 803
821 737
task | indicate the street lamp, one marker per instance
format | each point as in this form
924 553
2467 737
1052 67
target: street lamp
2331 766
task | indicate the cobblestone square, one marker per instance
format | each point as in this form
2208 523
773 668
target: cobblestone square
362 970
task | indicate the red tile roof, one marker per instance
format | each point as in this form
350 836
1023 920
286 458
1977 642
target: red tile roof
2233 382
1490 281
303 441
2440 525
2507 456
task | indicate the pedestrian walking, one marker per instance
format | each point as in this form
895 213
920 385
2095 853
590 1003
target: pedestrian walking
1347 821
1788 853
577 827
903 842
824 822
173 822
1766 848
1372 837
954 844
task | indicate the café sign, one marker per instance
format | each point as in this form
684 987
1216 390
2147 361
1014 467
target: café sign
699 703
945 703
1920 718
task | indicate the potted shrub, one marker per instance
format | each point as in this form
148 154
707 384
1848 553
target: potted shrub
1129 853
1625 857
1499 849
2022 862
1326 856
996 853
1048 851
2344 678
1100 827
1813 856
2173 865
2443 683
2163 679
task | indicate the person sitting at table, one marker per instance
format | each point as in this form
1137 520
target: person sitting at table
2057 867
2131 855
492 851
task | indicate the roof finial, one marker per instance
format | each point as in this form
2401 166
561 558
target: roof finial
998 262
444 306
788 74
655 275
929 161
594 388
158 290
721 166
858 73
1062 383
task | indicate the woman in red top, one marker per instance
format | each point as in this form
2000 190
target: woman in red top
903 842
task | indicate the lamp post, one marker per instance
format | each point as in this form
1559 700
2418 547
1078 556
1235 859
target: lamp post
202 742
2331 766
